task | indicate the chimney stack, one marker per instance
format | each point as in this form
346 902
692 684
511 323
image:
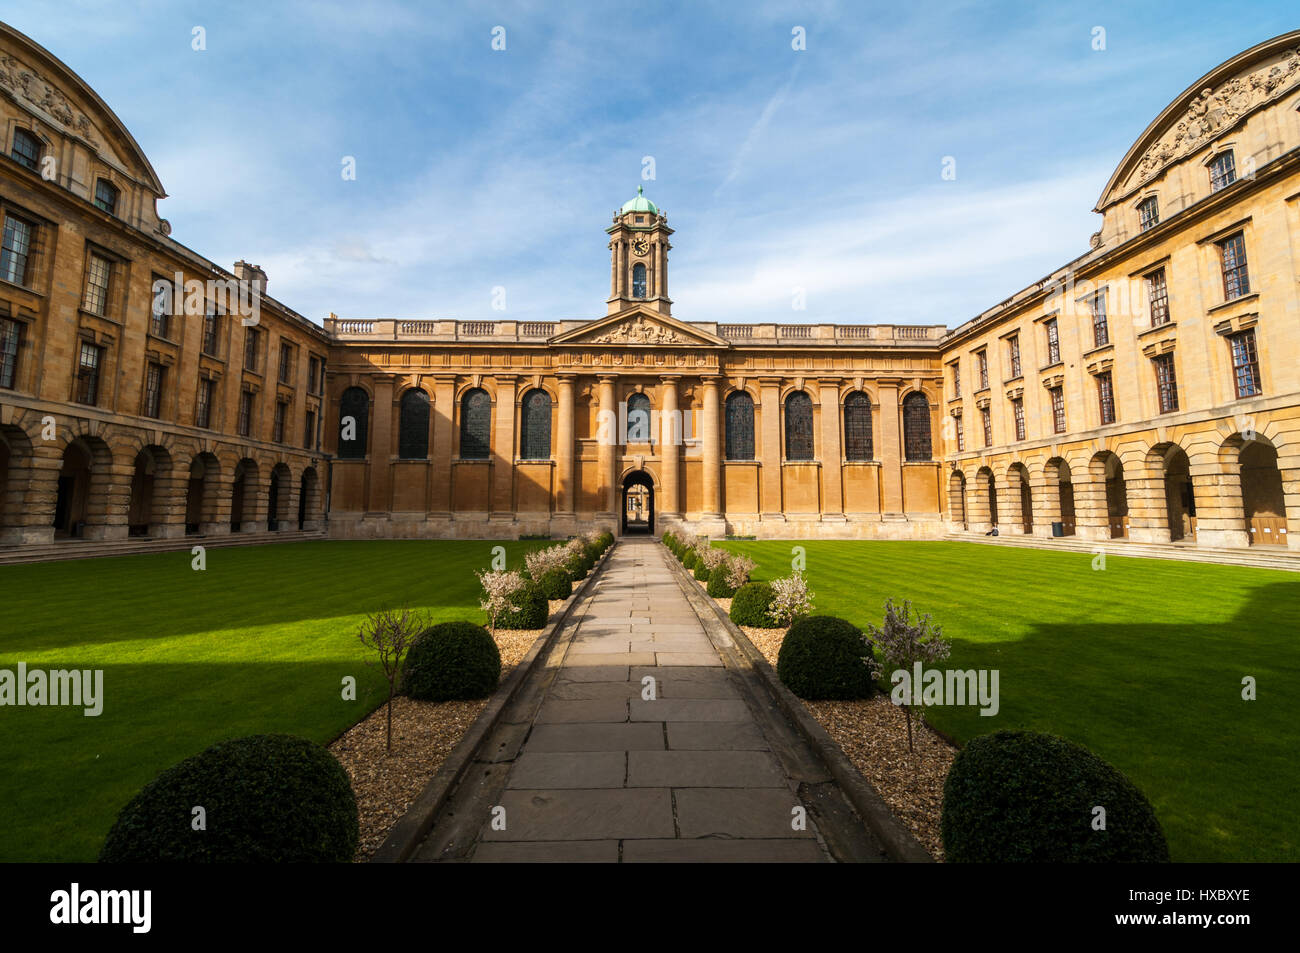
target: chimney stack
253 274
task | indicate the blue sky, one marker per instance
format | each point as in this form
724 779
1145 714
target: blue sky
779 169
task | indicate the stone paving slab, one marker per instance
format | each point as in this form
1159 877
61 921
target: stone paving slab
594 673
558 711
736 812
549 852
587 769
590 814
713 850
596 737
690 709
715 736
692 769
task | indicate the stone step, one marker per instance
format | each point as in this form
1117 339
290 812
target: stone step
98 548
1261 557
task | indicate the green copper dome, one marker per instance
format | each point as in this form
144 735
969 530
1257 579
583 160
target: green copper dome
639 204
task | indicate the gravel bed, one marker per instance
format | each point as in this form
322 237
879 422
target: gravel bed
873 733
424 733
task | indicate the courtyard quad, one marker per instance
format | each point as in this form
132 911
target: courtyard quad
1141 662
259 641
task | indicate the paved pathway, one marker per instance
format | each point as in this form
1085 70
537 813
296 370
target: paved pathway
642 745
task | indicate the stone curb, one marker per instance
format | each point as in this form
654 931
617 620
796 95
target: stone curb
899 843
414 825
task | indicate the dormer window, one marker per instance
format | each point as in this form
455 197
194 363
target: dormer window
638 281
105 196
1223 171
1149 213
27 149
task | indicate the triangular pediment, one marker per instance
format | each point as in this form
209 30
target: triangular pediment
640 327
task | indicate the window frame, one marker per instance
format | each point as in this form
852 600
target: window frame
108 205
104 292
738 426
797 427
1166 382
1013 354
1250 364
1100 319
10 250
479 443
204 402
11 346
1158 297
1053 342
87 378
1237 274
359 448
153 390
1057 395
917 447
986 422
1148 213
35 161
859 442
1018 416
244 422
277 424
1222 167
640 268
1106 398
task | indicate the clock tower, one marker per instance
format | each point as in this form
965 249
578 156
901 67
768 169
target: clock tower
638 250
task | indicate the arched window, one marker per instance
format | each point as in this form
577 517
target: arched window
857 426
354 417
413 426
740 426
535 426
798 426
916 427
638 281
638 419
475 425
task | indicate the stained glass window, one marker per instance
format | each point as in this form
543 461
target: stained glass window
638 419
740 426
916 427
535 426
475 425
798 427
355 403
413 425
857 427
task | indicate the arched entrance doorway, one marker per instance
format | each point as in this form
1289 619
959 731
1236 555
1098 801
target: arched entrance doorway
1018 475
638 503
142 508
241 493
1108 467
1261 495
957 498
199 502
1180 501
277 508
1058 473
308 499
71 505
987 485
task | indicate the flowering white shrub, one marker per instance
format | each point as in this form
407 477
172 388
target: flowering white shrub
711 557
790 598
498 586
738 570
542 561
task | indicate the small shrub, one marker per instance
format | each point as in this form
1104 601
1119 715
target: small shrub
719 588
269 798
702 572
825 657
556 584
452 661
1028 797
528 609
791 599
738 570
690 560
750 606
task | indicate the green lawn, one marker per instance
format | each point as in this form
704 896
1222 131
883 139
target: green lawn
1141 662
259 642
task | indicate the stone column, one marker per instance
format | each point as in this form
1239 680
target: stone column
108 498
832 456
170 493
503 450
1288 464
1220 510
381 449
444 422
979 516
607 450
214 509
257 499
890 452
564 501
770 452
1047 502
711 447
1148 505
670 448
1011 519
30 513
1091 516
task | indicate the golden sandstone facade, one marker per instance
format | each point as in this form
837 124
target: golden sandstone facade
1147 390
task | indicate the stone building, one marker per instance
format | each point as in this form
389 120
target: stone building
1146 390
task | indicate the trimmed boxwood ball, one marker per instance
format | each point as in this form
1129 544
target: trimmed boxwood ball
1025 796
718 586
823 657
267 799
452 661
530 609
750 604
557 583
702 572
690 559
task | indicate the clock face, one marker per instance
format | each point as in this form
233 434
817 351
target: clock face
640 245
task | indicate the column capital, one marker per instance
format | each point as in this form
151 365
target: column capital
506 378
607 378
670 378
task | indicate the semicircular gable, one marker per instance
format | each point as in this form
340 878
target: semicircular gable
1236 87
42 83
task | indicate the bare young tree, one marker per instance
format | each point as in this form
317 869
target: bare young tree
904 643
389 633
